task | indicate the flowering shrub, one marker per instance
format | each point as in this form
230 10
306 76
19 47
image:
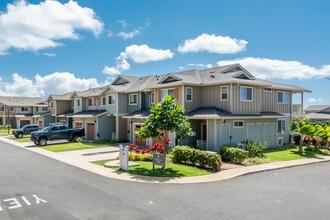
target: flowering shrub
184 154
156 147
138 157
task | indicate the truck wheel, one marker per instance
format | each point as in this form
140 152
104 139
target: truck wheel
19 135
76 138
43 142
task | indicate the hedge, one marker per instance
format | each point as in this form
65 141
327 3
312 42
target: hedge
185 154
233 154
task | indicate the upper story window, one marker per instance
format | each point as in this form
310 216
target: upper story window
133 99
78 102
51 105
72 104
166 92
41 109
2 109
238 124
189 94
224 93
11 109
267 90
246 94
152 98
112 99
24 109
282 97
281 126
103 100
90 102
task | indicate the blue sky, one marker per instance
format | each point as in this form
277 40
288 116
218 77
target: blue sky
282 41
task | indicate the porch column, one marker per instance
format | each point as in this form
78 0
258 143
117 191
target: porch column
302 105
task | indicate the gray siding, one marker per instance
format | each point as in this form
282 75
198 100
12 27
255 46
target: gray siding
112 109
122 135
106 125
133 108
123 103
246 106
210 97
62 107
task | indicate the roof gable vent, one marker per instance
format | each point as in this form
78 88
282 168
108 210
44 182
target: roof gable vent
120 81
169 79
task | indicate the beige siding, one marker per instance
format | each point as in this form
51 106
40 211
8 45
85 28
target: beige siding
210 97
246 106
196 101
62 106
270 104
280 107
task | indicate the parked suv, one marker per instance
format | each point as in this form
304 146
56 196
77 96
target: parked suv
56 132
27 129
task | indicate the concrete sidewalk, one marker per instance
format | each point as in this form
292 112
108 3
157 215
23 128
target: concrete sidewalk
75 160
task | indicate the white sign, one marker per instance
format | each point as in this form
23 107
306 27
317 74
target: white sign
123 157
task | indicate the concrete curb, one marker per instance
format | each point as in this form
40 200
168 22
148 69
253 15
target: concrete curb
222 175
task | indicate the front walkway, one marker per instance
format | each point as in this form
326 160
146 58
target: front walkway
74 159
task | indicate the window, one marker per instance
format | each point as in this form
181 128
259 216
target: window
224 93
24 109
166 92
189 94
281 126
51 105
104 102
41 109
152 98
267 90
90 102
133 99
11 109
112 99
238 124
2 109
78 102
246 94
282 97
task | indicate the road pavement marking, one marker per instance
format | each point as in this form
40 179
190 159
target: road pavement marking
13 203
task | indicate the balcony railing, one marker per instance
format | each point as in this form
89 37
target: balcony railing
201 144
297 109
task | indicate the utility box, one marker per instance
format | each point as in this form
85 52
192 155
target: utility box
123 157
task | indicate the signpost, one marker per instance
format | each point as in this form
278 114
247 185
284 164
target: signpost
123 157
158 159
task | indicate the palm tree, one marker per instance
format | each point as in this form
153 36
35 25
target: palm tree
319 134
303 130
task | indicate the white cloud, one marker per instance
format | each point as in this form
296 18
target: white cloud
129 35
182 67
143 53
313 100
139 54
200 65
50 54
34 27
122 65
55 83
279 69
213 44
122 22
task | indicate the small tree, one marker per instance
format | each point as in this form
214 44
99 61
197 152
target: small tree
166 116
303 130
319 135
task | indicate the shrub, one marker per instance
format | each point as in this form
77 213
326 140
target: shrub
233 154
255 149
185 154
138 157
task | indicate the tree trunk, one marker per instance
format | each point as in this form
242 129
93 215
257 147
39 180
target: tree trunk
301 144
317 144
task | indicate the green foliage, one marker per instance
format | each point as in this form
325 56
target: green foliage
255 149
8 125
296 139
184 154
166 116
303 130
233 154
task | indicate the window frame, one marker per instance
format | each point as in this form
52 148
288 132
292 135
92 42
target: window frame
192 96
23 109
152 98
103 101
221 99
110 99
238 126
247 87
279 130
78 102
91 103
166 92
129 99
282 97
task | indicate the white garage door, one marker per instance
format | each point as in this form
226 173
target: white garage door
254 131
270 134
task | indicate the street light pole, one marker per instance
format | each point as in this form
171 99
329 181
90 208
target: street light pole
8 118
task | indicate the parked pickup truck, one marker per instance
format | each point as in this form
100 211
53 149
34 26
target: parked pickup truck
27 129
56 132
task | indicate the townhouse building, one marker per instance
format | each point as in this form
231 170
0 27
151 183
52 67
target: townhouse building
318 113
20 111
225 105
60 107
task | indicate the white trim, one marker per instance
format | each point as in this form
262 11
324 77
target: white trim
231 98
240 93
129 98
281 125
166 77
282 97
191 94
108 98
221 93
161 99
93 104
238 121
152 102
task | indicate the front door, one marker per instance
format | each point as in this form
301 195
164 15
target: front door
40 124
139 142
224 134
270 134
90 131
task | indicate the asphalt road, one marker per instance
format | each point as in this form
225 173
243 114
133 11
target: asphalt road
33 186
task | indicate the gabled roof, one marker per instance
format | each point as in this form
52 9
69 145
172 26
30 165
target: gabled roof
170 78
63 97
21 101
97 91
317 108
320 116
135 84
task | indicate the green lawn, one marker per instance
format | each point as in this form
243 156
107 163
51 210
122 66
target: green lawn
172 170
5 131
21 140
291 152
76 146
